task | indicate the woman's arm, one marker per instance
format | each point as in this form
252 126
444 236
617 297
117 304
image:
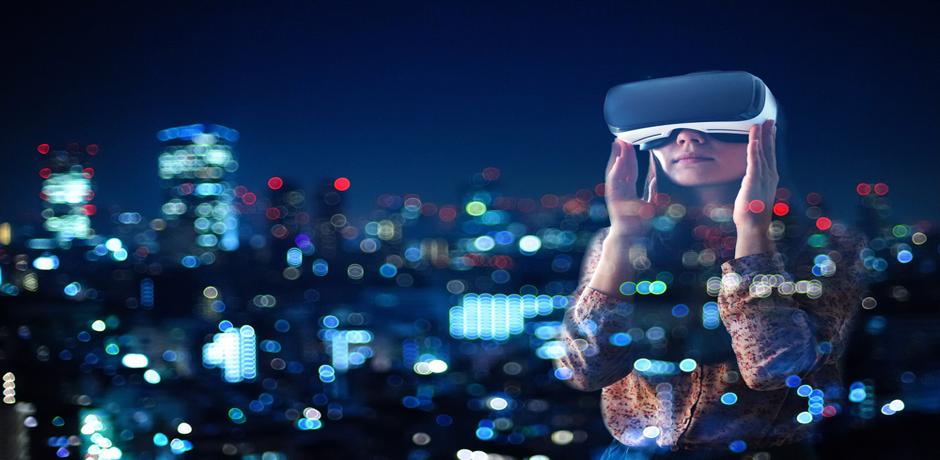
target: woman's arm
774 334
598 312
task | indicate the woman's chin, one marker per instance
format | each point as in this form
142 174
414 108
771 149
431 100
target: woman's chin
689 180
696 180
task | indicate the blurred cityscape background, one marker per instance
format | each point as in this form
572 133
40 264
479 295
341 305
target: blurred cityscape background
172 287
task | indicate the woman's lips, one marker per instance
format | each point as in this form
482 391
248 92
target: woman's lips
692 160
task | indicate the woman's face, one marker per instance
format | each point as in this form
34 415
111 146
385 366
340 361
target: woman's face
713 161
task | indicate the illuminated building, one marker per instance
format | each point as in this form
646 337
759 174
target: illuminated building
67 191
199 211
435 251
286 214
16 422
347 347
497 316
98 435
288 224
232 350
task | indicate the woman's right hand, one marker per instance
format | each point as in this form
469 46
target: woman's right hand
629 215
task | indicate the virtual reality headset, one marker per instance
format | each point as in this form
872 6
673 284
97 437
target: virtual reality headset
723 104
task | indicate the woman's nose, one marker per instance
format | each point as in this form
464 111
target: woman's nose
690 135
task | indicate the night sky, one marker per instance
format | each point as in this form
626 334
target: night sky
415 98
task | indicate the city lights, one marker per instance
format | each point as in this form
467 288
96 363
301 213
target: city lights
194 164
343 311
234 352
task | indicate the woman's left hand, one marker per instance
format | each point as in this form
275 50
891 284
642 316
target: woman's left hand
754 203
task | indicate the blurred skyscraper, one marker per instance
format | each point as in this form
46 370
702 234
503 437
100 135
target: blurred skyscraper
329 215
196 163
67 191
287 212
15 423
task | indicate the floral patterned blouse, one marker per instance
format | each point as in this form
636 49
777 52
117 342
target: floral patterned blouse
778 372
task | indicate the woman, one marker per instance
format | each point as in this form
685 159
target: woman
726 362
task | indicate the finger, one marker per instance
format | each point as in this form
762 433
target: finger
652 165
620 184
753 146
629 162
614 152
760 149
619 187
652 190
770 145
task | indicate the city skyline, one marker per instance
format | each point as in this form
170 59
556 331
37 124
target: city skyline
245 231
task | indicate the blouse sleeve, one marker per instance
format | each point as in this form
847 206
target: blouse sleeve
781 326
590 360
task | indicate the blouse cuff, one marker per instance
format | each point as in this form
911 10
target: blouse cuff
770 262
737 274
594 298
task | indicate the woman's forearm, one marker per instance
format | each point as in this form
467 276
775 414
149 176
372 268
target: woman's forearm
614 266
752 241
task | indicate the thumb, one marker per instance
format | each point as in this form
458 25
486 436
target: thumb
652 190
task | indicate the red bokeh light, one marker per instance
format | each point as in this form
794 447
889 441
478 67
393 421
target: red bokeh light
549 201
275 183
661 199
45 173
90 209
863 189
504 262
272 213
92 149
574 206
249 198
881 189
43 148
491 173
756 206
781 209
341 184
823 223
88 173
279 231
447 213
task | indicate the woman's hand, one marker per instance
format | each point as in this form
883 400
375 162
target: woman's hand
754 204
629 214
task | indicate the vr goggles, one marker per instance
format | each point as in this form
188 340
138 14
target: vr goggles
723 104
